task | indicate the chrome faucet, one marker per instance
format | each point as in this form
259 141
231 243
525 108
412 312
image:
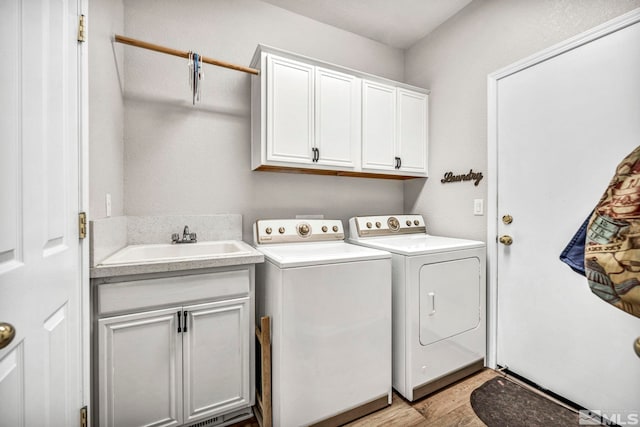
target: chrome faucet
187 237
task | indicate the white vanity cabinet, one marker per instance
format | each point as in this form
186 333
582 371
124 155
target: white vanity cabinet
394 129
140 369
315 117
175 350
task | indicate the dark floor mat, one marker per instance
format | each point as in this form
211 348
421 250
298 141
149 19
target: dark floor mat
502 403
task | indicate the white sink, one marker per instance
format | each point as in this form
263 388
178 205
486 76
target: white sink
155 253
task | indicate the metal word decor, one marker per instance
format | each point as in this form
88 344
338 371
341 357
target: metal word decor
471 176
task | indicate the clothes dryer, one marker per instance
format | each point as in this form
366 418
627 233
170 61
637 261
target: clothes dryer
439 301
330 308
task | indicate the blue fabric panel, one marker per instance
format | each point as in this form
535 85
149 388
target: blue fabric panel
573 254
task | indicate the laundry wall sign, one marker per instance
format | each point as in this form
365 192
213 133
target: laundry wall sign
476 177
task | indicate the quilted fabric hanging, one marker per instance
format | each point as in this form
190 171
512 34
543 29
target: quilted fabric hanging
612 245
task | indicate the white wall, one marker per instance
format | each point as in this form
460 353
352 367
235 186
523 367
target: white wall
454 61
181 159
106 108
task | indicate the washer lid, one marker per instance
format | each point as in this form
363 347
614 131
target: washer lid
320 253
418 244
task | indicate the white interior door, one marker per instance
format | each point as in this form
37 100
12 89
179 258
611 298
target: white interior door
40 370
563 125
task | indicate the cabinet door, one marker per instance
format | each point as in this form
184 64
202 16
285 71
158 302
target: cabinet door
412 131
378 126
216 350
337 121
289 111
140 370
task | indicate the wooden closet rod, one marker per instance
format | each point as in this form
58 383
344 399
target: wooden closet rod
181 53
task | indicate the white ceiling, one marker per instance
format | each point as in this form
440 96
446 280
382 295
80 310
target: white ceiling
396 23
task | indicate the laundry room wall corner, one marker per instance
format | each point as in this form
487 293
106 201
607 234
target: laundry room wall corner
454 61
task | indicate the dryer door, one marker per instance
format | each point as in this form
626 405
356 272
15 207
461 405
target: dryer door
449 299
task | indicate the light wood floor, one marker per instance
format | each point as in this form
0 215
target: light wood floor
446 408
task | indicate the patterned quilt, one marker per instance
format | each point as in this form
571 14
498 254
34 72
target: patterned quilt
612 245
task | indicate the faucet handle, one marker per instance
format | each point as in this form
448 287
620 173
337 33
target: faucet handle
175 237
193 237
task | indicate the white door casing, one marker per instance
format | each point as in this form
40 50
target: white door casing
559 123
40 258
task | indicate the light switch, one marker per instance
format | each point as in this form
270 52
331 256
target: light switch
478 206
107 202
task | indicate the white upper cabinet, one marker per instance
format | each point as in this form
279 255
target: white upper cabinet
378 126
337 135
289 111
315 117
411 135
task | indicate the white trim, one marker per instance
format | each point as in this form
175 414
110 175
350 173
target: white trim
85 301
588 36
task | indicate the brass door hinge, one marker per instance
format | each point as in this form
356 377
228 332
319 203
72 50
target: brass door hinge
82 29
83 417
82 225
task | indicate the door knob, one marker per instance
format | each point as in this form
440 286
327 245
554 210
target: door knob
7 332
506 240
636 346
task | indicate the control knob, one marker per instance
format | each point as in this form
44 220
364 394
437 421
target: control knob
303 230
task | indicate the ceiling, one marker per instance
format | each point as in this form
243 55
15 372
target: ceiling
396 23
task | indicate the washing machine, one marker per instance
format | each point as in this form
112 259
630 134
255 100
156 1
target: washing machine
330 308
439 300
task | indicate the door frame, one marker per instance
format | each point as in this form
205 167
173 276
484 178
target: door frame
83 190
493 79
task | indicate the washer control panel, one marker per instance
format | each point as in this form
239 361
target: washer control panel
266 231
386 225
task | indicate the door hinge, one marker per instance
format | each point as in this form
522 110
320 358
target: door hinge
82 29
83 417
82 225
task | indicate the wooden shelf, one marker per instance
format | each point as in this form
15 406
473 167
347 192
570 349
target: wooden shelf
286 169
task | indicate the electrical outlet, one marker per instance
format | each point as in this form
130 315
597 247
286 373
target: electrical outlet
478 206
107 202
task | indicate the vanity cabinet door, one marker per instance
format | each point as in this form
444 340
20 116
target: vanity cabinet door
289 111
412 131
378 126
140 369
216 350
